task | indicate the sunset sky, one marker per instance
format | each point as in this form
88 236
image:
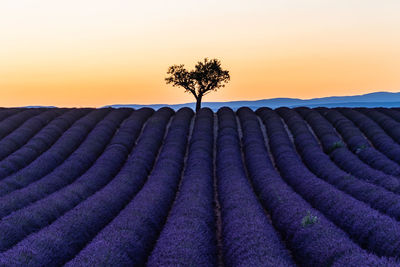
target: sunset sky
96 53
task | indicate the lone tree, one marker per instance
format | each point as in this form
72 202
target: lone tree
207 76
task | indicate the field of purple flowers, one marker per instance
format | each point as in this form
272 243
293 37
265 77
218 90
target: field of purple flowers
124 187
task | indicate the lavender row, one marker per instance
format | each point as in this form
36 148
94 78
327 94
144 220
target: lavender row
7 112
188 236
375 133
321 165
372 230
37 215
313 240
54 156
342 156
360 145
102 134
248 236
39 143
391 112
79 162
129 237
13 122
388 124
34 218
22 134
69 233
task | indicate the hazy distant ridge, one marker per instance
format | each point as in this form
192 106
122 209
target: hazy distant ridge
377 99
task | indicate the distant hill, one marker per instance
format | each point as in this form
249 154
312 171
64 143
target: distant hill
39 107
377 99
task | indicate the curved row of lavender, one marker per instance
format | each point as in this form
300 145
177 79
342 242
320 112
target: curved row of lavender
127 239
20 136
188 236
360 145
124 187
342 156
318 162
248 237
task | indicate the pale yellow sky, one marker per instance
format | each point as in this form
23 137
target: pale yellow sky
95 53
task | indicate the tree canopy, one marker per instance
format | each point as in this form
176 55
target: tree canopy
206 77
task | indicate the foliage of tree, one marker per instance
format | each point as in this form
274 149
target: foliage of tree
206 77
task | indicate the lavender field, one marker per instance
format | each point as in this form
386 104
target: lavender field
124 187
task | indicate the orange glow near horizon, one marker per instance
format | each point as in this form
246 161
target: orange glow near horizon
95 53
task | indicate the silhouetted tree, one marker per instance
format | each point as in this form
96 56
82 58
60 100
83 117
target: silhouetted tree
207 76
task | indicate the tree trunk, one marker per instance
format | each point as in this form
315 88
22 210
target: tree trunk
198 103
